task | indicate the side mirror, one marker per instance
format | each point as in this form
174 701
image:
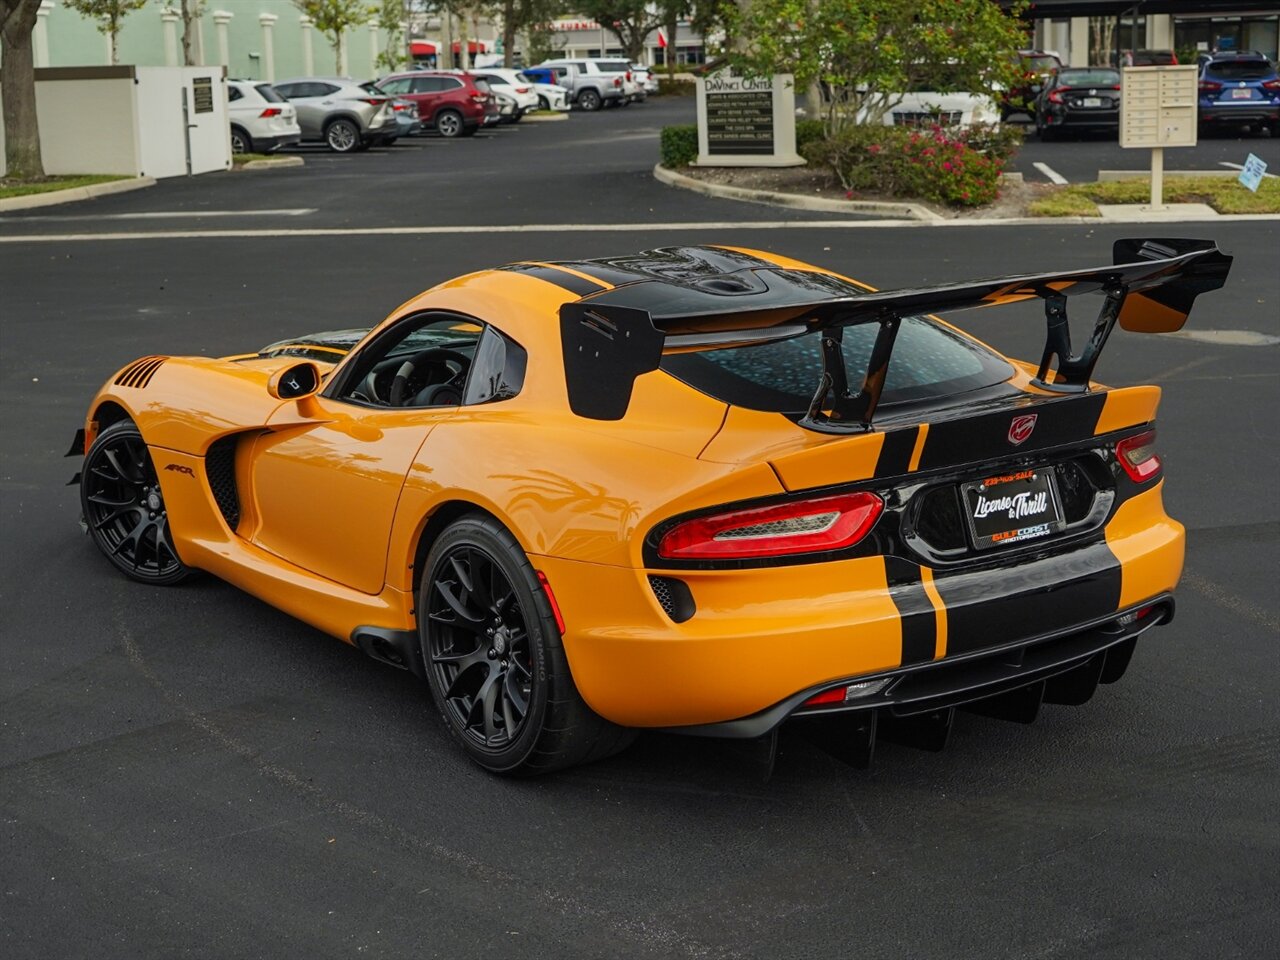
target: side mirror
296 382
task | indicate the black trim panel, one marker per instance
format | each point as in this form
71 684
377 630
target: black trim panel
915 609
895 455
985 436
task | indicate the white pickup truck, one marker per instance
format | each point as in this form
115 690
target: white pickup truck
593 84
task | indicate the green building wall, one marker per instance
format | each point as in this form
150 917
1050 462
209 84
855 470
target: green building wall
75 41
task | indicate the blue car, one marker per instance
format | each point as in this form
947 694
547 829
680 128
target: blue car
1240 88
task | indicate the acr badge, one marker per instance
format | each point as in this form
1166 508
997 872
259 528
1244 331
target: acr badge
1021 427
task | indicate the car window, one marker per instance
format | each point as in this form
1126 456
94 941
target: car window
613 66
1239 69
448 83
497 370
287 90
371 87
324 89
233 94
1089 78
928 361
425 85
525 78
1041 64
268 93
398 85
481 85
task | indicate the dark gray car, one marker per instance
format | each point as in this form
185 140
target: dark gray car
340 112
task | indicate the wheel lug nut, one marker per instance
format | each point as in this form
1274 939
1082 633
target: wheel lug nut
489 632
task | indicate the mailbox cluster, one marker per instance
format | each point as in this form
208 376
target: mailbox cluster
1158 106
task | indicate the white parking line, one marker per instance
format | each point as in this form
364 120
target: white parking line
1053 175
175 215
1240 166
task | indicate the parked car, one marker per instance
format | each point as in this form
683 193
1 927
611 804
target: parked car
407 122
1037 67
509 83
631 87
583 498
340 112
1148 58
1082 98
1240 88
589 87
453 104
551 96
262 121
508 110
645 77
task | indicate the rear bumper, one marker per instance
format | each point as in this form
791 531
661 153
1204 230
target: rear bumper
763 638
1081 119
1239 113
273 143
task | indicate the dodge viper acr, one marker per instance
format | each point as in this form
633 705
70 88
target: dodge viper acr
701 489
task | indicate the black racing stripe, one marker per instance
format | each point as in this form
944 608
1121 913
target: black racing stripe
915 609
559 277
895 455
611 275
985 436
997 605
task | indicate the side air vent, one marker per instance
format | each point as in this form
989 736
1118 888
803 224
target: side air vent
139 373
220 465
673 596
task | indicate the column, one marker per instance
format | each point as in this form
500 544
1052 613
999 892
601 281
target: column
1079 56
40 37
220 20
374 49
268 21
170 18
1160 31
308 57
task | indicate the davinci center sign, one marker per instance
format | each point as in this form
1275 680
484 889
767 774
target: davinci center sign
747 121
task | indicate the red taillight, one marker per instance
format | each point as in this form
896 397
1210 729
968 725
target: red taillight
270 112
1272 85
1209 86
522 89
1137 455
803 526
834 695
1116 87
628 76
1055 96
617 81
479 97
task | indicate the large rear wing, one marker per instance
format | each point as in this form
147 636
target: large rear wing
612 337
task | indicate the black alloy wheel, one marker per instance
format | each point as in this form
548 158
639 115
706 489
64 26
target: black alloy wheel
494 659
124 507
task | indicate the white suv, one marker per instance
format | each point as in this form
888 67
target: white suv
262 121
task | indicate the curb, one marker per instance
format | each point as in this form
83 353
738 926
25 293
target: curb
544 116
1111 176
55 197
909 211
270 162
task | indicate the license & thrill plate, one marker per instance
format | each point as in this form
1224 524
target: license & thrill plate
1012 508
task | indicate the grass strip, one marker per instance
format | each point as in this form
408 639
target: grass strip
24 188
1224 194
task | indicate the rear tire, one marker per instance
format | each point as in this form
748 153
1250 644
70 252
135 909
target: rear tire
241 142
495 660
589 100
124 508
343 136
449 124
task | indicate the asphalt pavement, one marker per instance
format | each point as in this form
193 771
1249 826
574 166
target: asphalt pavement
188 772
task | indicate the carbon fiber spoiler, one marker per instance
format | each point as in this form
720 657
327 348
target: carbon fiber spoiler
614 336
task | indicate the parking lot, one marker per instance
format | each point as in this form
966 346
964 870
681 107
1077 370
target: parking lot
191 772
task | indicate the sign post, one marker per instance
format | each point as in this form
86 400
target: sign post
747 122
1158 110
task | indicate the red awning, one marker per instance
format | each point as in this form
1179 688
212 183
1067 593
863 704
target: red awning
421 48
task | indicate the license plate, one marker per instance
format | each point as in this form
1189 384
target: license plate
1241 93
1012 508
1092 101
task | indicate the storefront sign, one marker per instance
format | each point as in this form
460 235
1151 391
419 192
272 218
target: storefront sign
745 121
202 98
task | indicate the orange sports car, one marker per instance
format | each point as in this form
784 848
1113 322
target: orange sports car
699 489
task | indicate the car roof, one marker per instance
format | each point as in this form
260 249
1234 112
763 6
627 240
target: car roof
1247 55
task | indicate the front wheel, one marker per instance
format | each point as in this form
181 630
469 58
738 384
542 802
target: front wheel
124 508
494 658
343 136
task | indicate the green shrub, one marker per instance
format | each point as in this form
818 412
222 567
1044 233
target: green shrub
679 145
957 168
670 87
807 131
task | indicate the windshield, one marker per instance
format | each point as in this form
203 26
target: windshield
1041 64
269 93
928 361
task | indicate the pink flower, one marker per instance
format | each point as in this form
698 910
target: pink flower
947 165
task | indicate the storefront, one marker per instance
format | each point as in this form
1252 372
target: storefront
1245 31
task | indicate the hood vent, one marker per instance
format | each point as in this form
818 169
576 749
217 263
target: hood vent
139 373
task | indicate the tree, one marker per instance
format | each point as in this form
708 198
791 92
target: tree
630 21
392 15
333 18
867 53
109 15
18 89
672 11
524 16
1102 32
192 10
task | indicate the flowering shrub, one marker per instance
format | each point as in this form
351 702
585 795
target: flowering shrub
957 167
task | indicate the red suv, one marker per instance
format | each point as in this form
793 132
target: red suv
456 104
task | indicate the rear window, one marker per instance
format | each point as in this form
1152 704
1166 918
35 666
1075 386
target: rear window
1041 64
269 93
481 85
928 361
1089 78
614 66
1240 69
